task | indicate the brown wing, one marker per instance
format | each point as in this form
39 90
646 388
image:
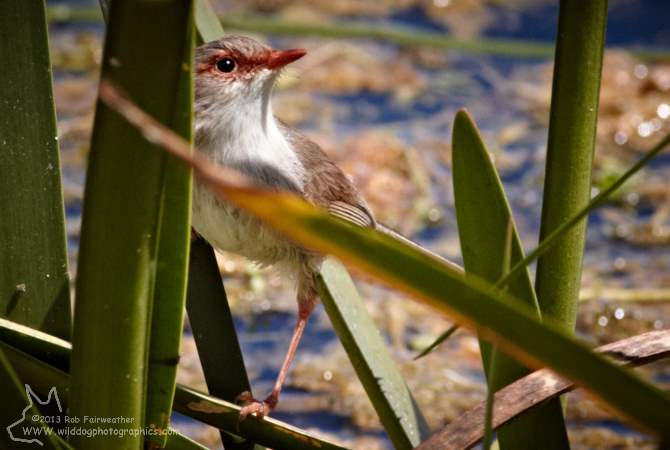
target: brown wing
326 185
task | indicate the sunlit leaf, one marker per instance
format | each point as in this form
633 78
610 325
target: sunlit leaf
495 315
485 227
389 394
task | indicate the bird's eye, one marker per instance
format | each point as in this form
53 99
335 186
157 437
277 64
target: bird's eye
226 65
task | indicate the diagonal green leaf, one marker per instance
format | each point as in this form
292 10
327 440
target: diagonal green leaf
437 342
176 441
42 377
45 347
207 22
32 345
34 286
104 8
550 240
225 416
484 217
15 407
214 332
120 226
496 315
369 356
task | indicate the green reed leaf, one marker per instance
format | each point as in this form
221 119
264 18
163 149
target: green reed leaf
388 392
34 283
485 225
120 235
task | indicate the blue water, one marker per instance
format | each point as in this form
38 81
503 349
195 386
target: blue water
630 23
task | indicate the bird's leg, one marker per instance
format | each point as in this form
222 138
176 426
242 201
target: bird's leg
306 304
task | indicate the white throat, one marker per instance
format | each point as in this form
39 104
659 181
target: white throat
244 132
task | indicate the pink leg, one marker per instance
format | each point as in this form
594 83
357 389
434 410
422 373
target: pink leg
306 305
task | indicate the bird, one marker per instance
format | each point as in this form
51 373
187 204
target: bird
235 127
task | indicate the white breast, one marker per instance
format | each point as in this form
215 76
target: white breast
229 229
244 139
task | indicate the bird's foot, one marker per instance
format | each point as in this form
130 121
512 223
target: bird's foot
255 407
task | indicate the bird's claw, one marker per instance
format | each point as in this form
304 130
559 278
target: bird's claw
255 407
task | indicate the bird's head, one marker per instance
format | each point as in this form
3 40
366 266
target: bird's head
238 69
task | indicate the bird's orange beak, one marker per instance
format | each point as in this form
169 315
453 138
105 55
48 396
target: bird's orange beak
280 58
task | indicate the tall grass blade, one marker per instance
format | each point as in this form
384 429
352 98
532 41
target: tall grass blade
572 125
390 396
495 354
34 286
214 332
120 228
167 318
496 315
484 221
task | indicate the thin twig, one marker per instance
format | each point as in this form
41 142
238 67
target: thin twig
466 430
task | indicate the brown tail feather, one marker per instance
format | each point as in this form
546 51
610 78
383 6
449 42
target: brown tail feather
399 237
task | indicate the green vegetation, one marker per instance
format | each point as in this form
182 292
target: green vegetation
397 409
34 286
138 268
132 195
494 314
484 217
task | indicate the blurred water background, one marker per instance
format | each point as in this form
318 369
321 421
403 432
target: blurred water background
384 112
